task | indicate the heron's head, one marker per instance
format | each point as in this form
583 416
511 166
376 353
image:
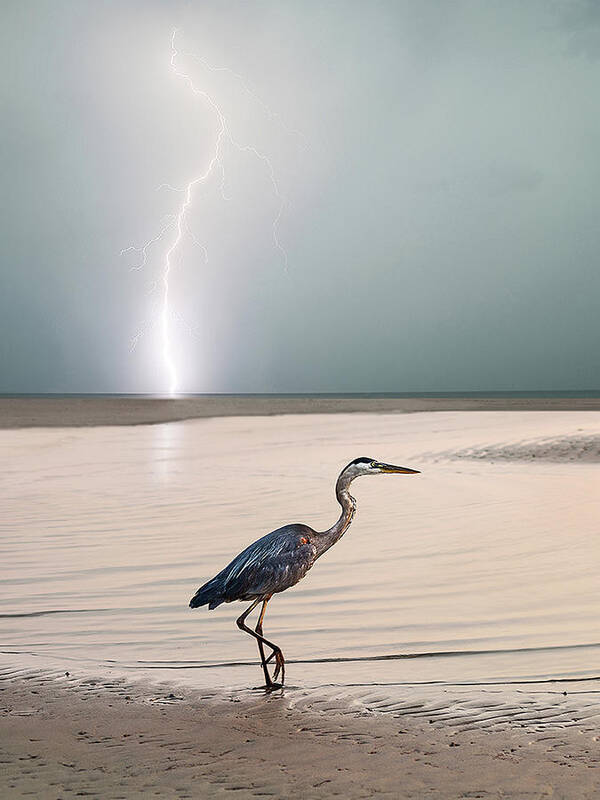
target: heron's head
370 466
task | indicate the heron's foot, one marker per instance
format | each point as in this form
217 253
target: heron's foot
269 686
273 686
279 666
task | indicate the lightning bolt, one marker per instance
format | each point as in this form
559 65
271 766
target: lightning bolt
177 223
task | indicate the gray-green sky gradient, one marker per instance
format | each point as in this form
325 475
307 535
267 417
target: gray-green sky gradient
441 216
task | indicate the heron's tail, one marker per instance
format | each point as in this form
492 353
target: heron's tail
210 594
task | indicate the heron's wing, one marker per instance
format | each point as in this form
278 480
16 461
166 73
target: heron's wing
274 563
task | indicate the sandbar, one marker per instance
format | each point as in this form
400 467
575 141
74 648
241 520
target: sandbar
97 410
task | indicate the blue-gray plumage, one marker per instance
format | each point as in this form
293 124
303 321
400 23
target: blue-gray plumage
280 559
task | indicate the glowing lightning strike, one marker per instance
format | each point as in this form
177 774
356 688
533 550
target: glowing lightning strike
178 221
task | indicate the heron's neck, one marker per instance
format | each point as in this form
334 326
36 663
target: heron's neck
329 537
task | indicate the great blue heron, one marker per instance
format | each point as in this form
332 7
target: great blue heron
280 559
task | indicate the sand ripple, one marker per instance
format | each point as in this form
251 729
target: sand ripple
559 449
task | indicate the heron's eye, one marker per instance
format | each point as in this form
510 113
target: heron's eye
373 464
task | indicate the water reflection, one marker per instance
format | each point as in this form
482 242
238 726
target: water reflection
116 528
165 449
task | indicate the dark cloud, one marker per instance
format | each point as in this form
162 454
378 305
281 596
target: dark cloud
581 20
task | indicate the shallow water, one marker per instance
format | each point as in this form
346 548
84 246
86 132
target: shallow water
473 572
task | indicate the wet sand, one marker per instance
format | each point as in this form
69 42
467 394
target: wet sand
565 449
78 411
108 740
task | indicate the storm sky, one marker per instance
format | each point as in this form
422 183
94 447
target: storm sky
440 168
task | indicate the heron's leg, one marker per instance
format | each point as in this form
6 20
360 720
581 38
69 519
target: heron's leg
241 623
279 659
261 647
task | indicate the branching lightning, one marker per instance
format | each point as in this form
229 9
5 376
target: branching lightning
176 224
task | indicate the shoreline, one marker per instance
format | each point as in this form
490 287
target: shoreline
105 738
94 411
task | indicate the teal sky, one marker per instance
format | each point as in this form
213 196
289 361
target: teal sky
440 196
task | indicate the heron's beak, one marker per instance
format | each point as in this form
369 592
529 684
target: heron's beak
390 468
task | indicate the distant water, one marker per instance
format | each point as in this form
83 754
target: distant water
470 572
570 393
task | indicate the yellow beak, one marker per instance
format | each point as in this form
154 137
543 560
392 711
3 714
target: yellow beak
397 470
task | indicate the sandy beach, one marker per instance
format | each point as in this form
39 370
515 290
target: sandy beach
104 740
446 648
